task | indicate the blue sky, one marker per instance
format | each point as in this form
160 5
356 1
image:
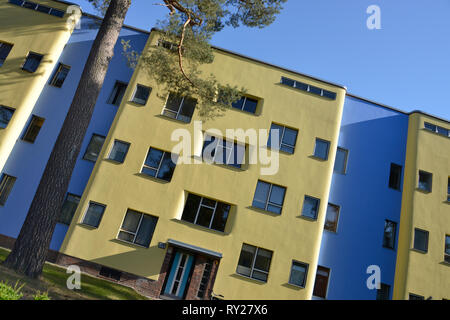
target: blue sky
405 64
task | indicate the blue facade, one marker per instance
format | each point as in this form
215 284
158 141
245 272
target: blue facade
27 160
375 137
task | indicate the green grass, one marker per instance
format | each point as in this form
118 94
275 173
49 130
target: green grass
53 281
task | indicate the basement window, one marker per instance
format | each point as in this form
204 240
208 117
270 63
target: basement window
110 273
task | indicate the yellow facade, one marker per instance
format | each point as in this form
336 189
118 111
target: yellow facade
418 273
28 31
290 237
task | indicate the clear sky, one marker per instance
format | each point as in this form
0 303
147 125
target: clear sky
405 64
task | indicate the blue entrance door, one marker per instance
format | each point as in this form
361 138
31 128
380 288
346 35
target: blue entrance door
179 275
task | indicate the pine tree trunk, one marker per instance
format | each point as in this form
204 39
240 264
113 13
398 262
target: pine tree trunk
30 249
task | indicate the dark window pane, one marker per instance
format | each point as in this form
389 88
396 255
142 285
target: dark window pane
174 102
146 230
421 240
415 297
131 221
187 110
301 86
6 185
425 181
246 260
5 116
204 216
60 75
447 249
141 94
167 167
383 292
315 90
117 93
191 207
442 131
430 127
220 217
275 129
154 157
29 5
33 129
332 217
395 176
250 105
262 261
69 207
43 9
298 274
340 165
258 275
277 195
389 234
321 150
57 13
329 95
119 151
126 236
310 207
287 81
94 148
32 62
94 215
321 284
289 137
5 49
238 104
261 195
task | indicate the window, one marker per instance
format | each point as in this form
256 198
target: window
447 249
68 209
32 62
421 240
38 7
60 75
437 129
340 165
205 212
205 279
287 138
119 151
5 116
222 151
254 262
331 220
179 108
159 164
448 190
138 228
299 270
5 49
321 149
33 129
110 273
246 104
6 185
308 88
413 296
384 292
390 229
425 181
310 207
141 94
94 147
395 176
94 214
321 284
117 94
269 197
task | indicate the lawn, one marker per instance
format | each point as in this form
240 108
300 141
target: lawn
53 281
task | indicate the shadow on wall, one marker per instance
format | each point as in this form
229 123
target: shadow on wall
11 73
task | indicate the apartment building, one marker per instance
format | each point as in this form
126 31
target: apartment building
357 183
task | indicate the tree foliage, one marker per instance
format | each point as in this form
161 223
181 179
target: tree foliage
184 46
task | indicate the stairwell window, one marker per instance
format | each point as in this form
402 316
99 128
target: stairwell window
60 75
254 262
5 49
448 190
287 138
6 114
117 94
332 218
447 249
421 240
141 94
390 230
340 164
269 197
310 207
395 176
321 284
94 214
94 148
425 181
206 212
69 207
6 185
32 62
159 164
33 129
322 149
119 151
179 108
137 228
